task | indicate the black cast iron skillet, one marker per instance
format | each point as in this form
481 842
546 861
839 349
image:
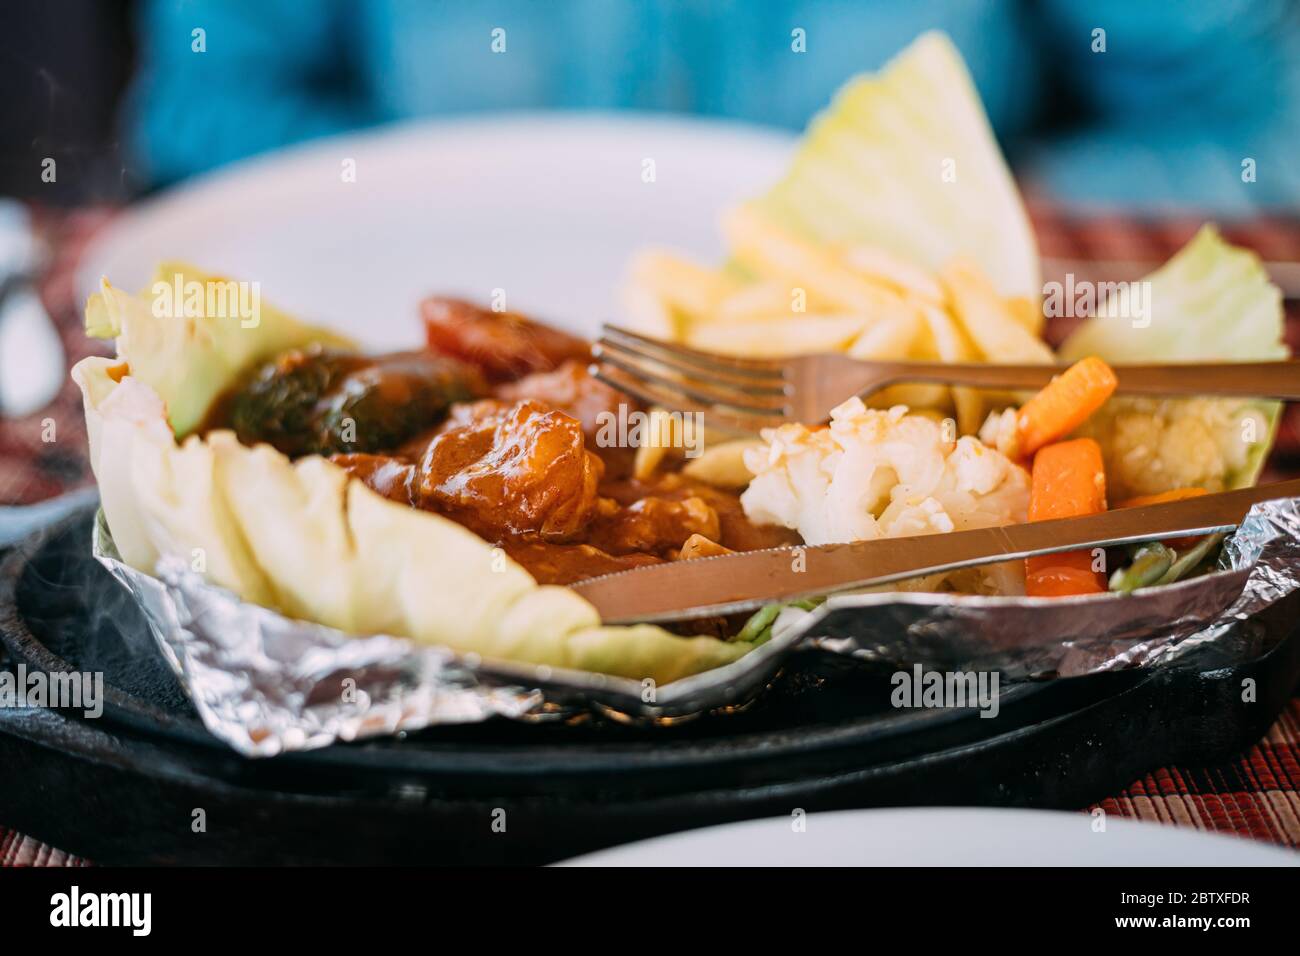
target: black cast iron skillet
126 788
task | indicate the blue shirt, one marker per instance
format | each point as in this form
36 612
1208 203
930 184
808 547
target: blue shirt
1181 95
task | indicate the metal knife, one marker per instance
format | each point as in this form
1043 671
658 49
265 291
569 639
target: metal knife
745 581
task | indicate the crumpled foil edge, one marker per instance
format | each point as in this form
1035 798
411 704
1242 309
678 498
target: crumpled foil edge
266 684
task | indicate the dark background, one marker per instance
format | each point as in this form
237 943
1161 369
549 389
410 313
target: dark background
63 67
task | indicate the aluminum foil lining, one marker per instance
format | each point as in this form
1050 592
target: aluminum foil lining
266 684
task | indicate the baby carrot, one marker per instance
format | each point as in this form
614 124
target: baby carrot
1068 480
1070 573
1064 404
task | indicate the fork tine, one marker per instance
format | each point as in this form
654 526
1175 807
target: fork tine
724 415
682 392
681 355
703 387
667 362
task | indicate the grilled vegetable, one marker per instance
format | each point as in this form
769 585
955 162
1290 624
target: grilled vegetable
319 402
1067 481
504 346
1211 302
1065 404
1151 561
1192 561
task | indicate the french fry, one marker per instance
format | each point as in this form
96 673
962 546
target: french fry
645 312
722 466
771 252
1028 312
989 320
954 346
919 395
662 434
685 285
668 435
777 337
806 298
881 266
893 338
767 298
933 414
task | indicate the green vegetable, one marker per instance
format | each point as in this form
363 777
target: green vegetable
905 160
1191 559
304 538
1210 302
1150 562
1155 563
758 629
318 402
759 623
190 359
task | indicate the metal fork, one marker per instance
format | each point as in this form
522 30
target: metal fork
750 394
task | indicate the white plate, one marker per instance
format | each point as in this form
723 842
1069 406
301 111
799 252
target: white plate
942 837
547 207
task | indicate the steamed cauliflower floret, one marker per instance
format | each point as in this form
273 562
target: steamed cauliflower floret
873 474
1154 445
999 431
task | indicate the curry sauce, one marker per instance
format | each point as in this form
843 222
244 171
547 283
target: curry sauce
494 426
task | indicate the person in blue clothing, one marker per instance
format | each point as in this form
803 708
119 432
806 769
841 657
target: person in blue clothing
1107 102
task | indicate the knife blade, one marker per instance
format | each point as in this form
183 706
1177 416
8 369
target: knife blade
745 581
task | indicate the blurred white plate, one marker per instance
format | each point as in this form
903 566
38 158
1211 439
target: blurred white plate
942 837
547 207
